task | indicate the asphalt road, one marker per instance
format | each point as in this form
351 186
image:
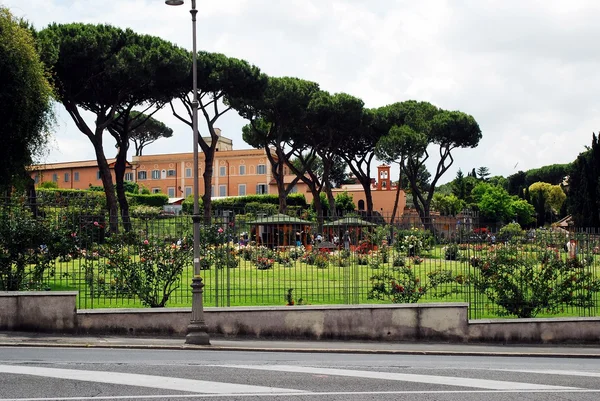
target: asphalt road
108 374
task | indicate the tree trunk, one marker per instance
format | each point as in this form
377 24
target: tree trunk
32 196
109 189
209 158
120 166
318 209
368 196
331 200
398 189
277 170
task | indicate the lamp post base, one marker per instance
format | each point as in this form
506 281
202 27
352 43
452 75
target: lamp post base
197 332
197 335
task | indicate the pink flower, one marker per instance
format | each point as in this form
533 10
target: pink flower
220 230
96 223
145 242
73 235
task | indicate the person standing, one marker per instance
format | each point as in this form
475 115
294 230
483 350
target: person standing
346 239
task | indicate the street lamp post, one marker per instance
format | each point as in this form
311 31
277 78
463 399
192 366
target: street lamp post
197 332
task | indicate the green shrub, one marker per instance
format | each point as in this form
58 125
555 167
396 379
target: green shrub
524 285
512 232
48 185
405 287
143 211
155 270
398 261
29 247
156 200
451 252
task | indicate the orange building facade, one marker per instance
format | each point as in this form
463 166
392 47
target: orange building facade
235 172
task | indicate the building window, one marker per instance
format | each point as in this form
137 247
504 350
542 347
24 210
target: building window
76 176
155 174
128 176
171 173
242 189
294 189
142 175
188 191
55 177
222 190
171 192
261 169
155 190
98 175
37 178
188 173
222 171
67 177
242 170
261 189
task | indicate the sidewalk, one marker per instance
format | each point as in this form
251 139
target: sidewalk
21 339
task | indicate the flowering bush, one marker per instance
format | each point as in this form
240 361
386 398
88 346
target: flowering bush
154 273
29 247
398 261
224 257
362 260
296 252
525 286
417 260
405 287
413 241
263 263
451 252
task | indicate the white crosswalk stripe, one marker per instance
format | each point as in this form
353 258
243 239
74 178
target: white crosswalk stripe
133 379
407 377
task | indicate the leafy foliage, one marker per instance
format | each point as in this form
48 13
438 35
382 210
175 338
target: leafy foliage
29 247
154 273
403 286
584 187
525 286
26 100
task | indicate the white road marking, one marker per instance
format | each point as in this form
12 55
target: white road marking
317 395
554 372
138 380
367 374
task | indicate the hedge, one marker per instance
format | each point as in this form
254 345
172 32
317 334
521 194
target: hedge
86 198
243 202
156 200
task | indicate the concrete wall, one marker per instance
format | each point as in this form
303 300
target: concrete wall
38 311
446 321
55 312
536 331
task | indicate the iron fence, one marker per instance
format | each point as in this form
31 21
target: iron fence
258 259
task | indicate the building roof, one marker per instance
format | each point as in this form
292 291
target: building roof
67 165
349 222
278 219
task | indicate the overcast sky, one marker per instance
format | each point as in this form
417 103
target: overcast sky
528 71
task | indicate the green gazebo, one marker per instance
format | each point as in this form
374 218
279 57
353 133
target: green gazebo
279 230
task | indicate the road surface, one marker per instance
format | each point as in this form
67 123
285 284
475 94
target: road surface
108 374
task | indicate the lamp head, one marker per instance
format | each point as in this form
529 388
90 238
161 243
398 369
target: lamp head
173 2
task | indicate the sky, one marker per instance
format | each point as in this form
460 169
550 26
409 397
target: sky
528 71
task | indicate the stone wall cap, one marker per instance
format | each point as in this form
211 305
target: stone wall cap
38 293
556 320
276 308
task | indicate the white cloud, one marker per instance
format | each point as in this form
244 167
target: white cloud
527 71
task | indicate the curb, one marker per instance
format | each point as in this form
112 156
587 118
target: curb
302 350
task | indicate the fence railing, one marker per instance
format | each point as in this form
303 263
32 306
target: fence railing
254 259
